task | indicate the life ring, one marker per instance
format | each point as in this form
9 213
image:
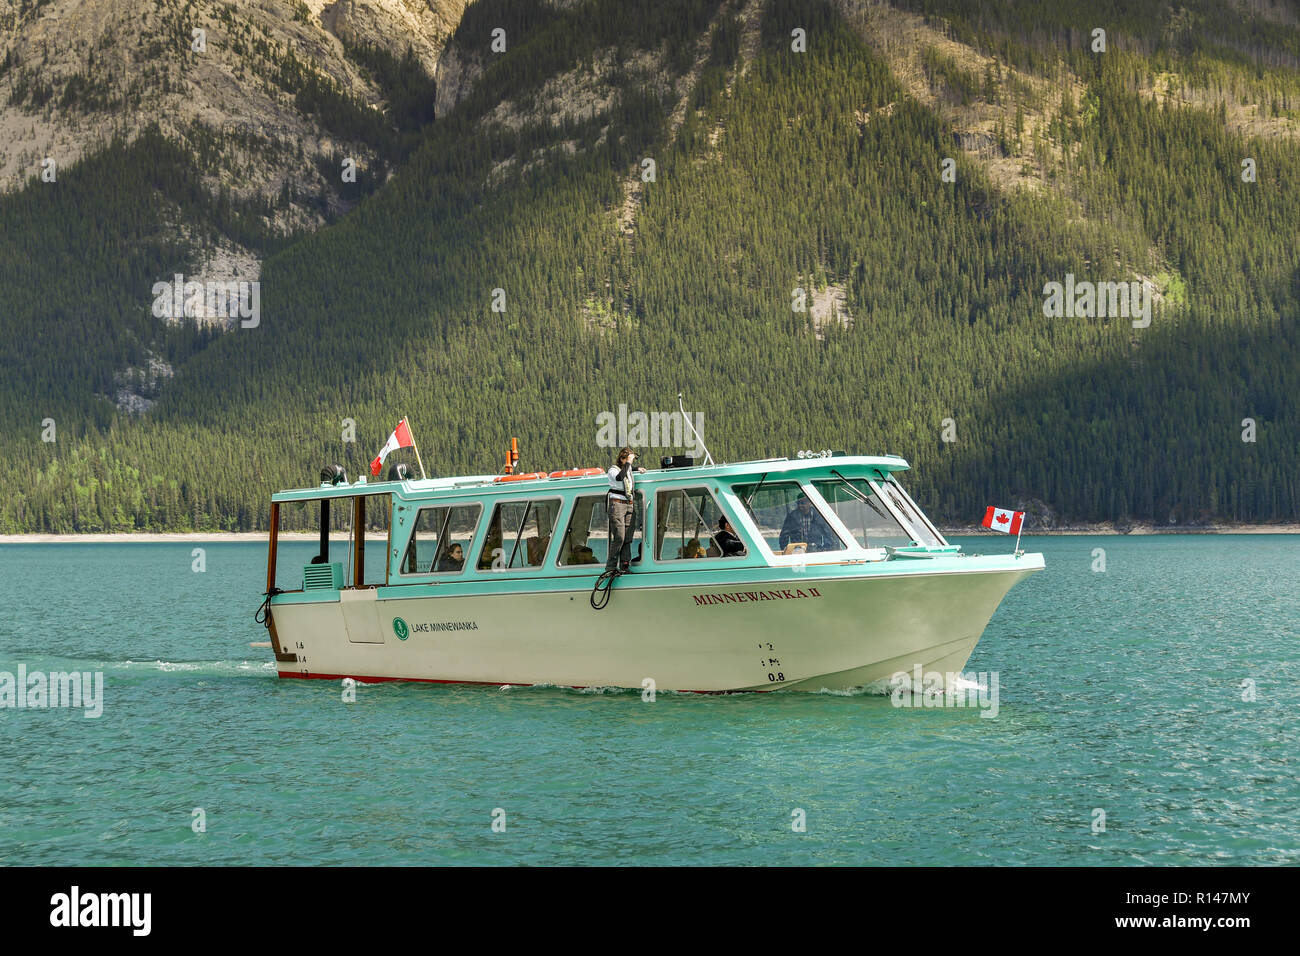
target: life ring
577 473
531 476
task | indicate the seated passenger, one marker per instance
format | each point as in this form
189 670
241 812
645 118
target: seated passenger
581 554
727 539
692 549
806 525
453 560
537 548
493 543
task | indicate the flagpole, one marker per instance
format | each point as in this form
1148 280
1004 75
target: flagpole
421 460
1016 553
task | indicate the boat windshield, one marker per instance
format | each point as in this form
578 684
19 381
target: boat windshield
856 503
923 531
788 520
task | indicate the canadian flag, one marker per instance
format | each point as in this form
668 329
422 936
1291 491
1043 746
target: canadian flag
1000 519
400 438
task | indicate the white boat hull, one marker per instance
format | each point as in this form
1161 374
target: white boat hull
803 633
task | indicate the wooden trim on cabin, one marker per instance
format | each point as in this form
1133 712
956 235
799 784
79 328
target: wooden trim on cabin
359 540
274 540
280 653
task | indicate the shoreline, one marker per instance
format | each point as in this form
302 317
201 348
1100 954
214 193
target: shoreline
187 537
1136 530
174 537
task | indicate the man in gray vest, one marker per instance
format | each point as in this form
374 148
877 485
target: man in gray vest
621 511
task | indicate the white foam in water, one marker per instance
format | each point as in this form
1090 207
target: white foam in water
843 692
172 667
885 687
877 688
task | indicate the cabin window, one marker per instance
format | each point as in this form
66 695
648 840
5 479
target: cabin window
586 540
685 521
519 535
441 539
856 503
789 521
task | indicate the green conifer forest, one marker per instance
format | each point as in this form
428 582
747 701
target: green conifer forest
816 173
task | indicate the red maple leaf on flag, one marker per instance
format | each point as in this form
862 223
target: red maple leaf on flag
1002 519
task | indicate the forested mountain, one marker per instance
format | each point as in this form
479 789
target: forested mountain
832 225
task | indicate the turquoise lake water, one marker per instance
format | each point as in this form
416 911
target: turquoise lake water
1120 691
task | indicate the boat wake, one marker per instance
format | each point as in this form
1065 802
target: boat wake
878 688
204 668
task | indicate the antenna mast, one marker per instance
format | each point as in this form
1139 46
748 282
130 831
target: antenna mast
708 458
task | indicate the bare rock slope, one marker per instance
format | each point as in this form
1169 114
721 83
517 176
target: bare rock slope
75 73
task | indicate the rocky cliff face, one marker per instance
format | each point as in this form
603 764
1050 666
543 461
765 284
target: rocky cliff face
74 73
457 71
273 99
423 25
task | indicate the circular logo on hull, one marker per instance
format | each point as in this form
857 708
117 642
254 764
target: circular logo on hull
400 629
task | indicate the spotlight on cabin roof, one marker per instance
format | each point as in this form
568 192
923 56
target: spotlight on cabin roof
333 475
399 472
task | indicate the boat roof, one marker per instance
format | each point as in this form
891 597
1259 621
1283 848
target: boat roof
428 487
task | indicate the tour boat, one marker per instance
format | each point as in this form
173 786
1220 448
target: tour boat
489 579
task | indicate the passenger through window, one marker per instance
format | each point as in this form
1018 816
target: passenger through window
787 518
686 520
441 539
519 535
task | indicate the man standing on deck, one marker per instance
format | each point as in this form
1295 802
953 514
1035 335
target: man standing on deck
621 511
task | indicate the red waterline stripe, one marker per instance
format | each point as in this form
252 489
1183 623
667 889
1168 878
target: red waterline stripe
476 683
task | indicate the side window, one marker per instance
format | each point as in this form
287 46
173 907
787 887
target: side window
586 540
519 535
440 540
788 520
685 522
